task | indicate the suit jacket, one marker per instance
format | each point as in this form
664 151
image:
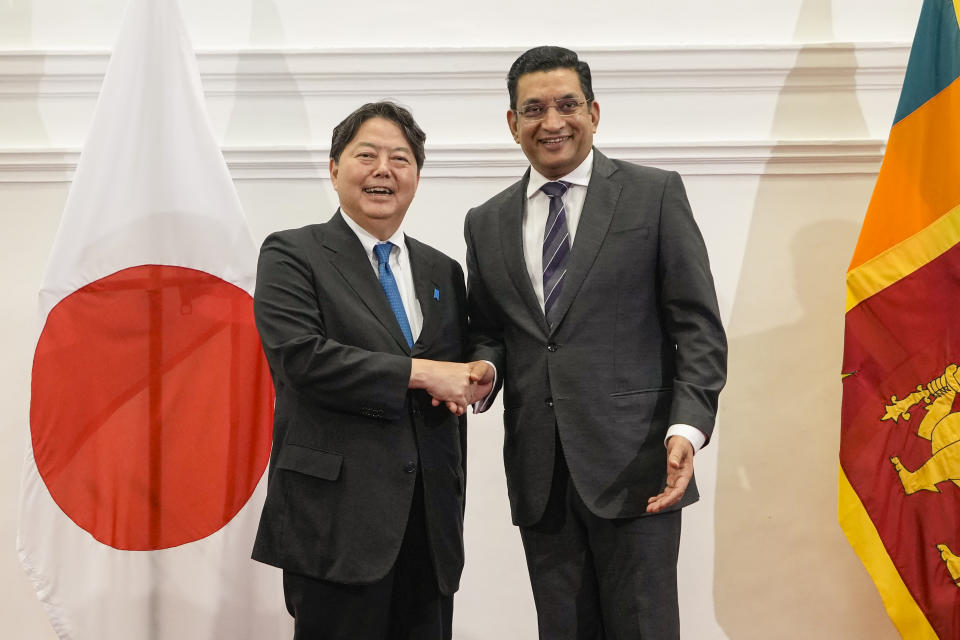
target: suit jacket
349 437
638 345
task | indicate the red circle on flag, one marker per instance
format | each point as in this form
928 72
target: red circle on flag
152 406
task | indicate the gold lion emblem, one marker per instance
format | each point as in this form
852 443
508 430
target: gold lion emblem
941 426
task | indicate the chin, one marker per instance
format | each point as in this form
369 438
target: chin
556 170
380 215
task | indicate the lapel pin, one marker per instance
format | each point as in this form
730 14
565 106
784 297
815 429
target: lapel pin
436 294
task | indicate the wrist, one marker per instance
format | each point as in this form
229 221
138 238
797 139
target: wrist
419 373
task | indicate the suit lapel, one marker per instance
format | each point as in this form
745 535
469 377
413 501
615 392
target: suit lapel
427 285
511 243
351 261
598 208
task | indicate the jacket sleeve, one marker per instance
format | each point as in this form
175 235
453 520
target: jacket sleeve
690 311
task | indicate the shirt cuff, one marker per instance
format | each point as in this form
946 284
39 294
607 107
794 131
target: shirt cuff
694 435
484 403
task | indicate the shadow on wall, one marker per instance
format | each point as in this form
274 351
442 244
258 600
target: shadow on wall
783 567
275 118
21 123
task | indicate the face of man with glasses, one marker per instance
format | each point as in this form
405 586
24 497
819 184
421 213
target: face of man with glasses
553 122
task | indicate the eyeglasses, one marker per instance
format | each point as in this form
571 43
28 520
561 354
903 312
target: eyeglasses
537 111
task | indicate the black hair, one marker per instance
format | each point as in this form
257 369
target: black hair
547 58
344 132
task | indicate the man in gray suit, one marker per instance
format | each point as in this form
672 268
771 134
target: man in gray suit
364 507
590 292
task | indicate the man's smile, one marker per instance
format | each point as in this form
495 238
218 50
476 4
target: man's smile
554 141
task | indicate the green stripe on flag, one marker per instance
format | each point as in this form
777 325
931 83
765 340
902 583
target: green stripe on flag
934 63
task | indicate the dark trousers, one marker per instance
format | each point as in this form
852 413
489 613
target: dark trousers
405 605
597 579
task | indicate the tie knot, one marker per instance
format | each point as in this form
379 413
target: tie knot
554 189
383 252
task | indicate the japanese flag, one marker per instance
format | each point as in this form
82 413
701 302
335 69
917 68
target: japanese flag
151 406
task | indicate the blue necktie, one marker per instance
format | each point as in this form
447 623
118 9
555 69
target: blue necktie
389 284
556 246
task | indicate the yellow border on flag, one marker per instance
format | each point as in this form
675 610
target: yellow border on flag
863 537
956 11
904 258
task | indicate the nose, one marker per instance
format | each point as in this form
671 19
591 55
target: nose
552 118
383 165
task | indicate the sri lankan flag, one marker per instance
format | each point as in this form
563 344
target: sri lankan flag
900 436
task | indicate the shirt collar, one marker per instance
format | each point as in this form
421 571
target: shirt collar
369 241
579 176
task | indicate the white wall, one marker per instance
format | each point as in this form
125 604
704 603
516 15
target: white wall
774 112
299 24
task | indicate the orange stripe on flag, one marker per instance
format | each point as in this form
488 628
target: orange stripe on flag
918 179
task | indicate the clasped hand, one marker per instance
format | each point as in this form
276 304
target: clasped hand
455 384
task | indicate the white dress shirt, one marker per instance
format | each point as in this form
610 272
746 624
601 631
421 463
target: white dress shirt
399 264
537 209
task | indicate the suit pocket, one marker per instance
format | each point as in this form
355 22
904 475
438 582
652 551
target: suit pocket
638 231
312 462
644 405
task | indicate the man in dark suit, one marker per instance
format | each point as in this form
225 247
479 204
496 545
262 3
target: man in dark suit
590 292
364 329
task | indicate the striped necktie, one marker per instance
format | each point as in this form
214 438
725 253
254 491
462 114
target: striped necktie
556 246
389 284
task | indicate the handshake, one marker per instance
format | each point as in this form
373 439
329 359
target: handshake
455 384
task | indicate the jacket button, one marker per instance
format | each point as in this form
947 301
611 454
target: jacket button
548 402
552 347
410 467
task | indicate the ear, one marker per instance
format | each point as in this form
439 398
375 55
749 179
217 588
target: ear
512 123
594 114
334 169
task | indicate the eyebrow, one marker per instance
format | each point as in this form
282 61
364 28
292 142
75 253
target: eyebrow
361 143
540 100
